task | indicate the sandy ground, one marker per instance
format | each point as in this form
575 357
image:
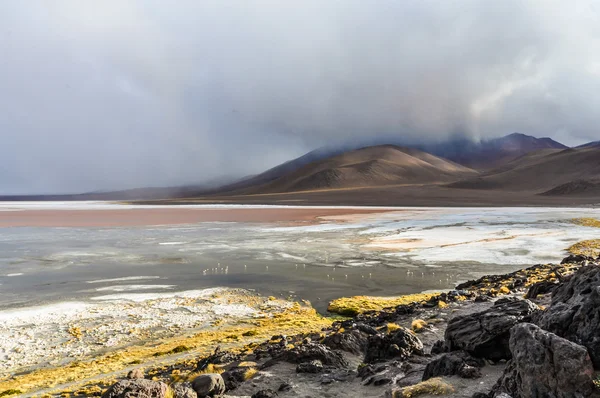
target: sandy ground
19 217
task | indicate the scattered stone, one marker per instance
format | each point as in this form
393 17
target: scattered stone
285 387
545 365
459 363
234 377
354 341
135 374
574 312
183 390
341 375
314 366
210 384
139 388
265 394
485 334
401 344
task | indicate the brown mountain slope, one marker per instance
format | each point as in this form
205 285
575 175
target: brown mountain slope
539 172
371 166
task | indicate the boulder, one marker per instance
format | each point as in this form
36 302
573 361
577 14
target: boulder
209 385
545 365
353 341
183 390
400 344
138 388
574 312
314 366
485 334
459 363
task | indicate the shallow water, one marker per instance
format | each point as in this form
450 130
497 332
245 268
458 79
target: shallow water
382 254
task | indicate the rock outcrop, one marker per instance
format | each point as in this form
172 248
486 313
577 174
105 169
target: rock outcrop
545 365
575 311
486 334
139 388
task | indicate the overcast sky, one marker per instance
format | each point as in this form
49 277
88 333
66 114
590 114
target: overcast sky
121 93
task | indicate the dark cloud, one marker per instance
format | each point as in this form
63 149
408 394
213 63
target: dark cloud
117 93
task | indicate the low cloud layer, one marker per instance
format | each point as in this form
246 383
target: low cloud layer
121 93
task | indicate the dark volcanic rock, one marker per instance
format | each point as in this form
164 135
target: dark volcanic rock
209 385
285 387
400 344
309 352
314 366
439 347
370 330
459 363
545 365
353 341
485 334
575 311
139 388
538 288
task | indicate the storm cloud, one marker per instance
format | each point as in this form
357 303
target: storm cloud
113 94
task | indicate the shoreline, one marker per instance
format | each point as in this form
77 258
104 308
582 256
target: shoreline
243 335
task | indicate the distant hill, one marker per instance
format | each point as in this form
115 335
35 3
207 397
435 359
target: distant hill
576 188
543 171
371 166
590 145
282 169
490 154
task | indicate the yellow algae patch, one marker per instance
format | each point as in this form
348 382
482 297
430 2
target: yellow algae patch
210 368
392 327
587 222
417 325
250 373
587 248
291 321
435 386
351 306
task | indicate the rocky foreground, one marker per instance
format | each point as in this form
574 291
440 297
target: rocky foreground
531 333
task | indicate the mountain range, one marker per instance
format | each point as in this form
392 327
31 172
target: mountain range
516 169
